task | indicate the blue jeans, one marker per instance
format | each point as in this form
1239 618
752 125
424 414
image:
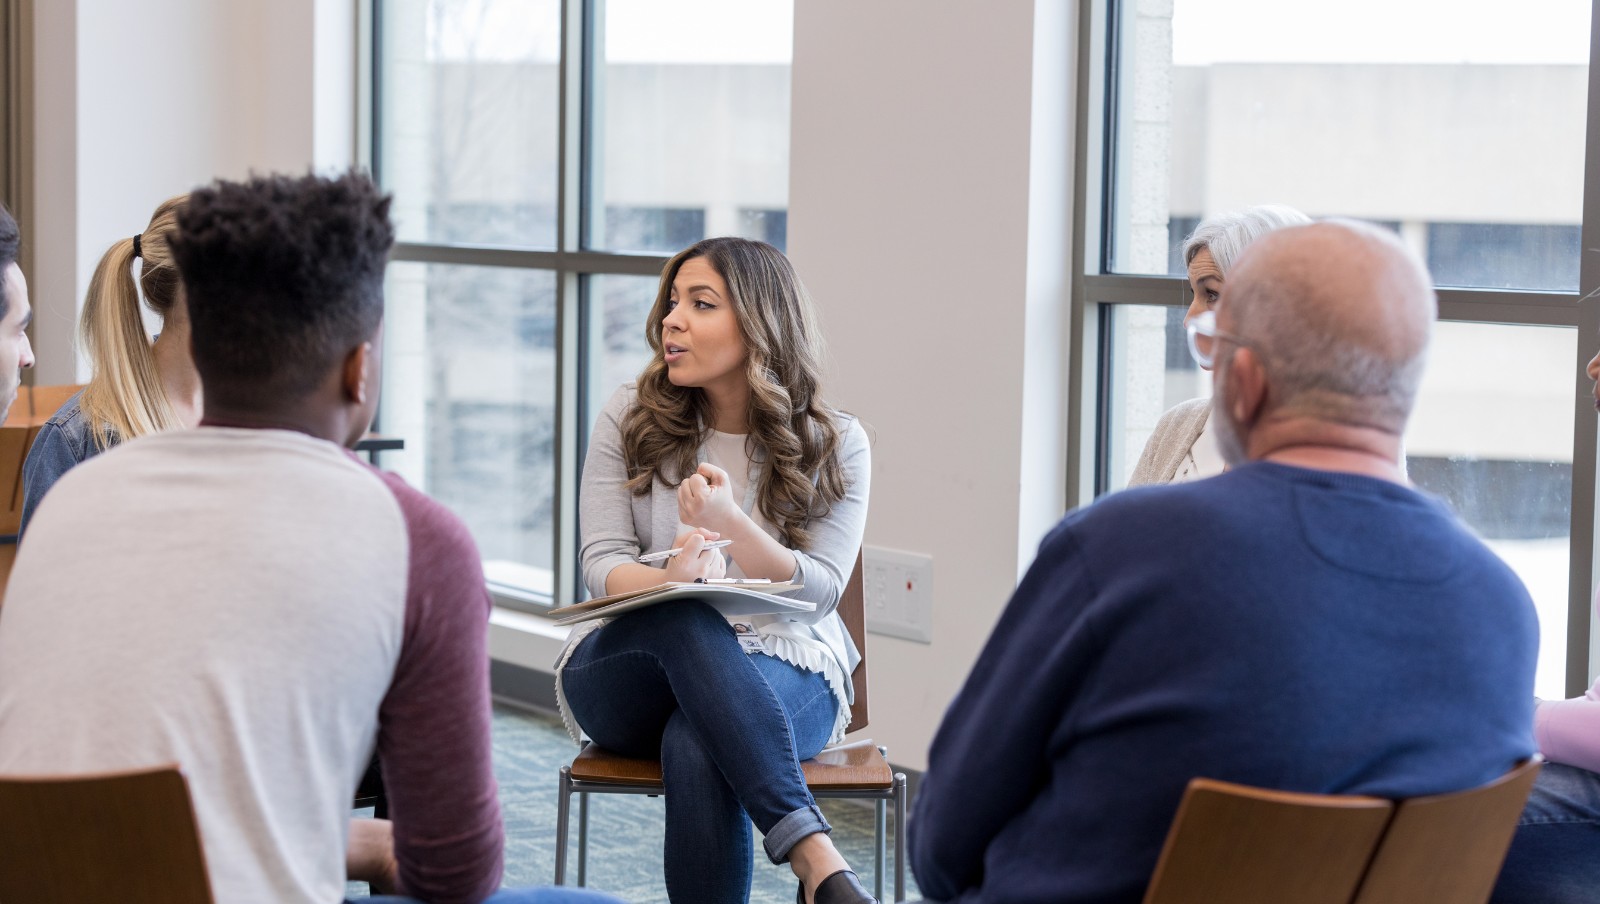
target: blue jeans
730 728
1555 856
519 896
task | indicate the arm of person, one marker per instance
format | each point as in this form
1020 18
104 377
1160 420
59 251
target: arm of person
433 724
51 455
1568 731
369 855
610 541
992 752
825 564
694 562
706 499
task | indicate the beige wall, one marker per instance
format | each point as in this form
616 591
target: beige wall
911 185
137 102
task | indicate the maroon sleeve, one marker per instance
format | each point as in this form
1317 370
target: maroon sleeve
433 726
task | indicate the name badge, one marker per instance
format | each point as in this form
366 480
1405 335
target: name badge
749 640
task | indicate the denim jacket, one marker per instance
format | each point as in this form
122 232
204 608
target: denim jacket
64 441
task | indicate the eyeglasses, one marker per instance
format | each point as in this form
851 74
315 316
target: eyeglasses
1204 337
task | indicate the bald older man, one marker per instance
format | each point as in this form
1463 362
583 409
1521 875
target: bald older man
1305 621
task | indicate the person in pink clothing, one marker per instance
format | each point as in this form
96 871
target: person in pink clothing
1555 856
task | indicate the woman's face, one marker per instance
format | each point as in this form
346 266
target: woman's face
1594 374
1206 281
700 334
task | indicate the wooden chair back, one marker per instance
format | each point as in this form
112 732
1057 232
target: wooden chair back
1448 848
853 611
128 837
34 406
1248 845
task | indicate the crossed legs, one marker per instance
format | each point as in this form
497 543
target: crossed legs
730 728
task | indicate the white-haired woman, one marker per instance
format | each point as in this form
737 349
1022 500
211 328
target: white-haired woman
1181 448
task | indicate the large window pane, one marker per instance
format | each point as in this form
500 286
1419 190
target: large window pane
469 383
1492 434
468 119
691 130
1150 370
1463 124
618 306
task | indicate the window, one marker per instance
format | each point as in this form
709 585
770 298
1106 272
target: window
1461 130
546 157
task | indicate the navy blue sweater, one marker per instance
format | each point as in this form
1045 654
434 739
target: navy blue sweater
1274 626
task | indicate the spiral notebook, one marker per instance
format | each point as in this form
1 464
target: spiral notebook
730 597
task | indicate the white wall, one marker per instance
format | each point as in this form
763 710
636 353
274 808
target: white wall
138 102
915 172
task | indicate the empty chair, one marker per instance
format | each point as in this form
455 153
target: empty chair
128 837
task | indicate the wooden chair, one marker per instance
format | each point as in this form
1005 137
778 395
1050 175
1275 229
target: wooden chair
1449 848
34 406
1252 846
128 837
855 770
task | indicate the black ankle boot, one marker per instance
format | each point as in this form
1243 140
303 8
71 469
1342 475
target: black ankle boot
843 887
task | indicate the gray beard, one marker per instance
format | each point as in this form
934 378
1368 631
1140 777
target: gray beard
1227 433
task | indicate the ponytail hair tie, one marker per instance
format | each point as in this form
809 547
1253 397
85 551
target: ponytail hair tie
136 249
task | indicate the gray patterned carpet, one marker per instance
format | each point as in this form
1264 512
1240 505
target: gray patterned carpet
625 830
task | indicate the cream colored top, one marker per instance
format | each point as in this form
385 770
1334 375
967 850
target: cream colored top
1204 458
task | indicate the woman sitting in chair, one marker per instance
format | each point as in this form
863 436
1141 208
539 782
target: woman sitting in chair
139 385
724 436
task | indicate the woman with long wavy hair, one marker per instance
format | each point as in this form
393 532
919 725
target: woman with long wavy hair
139 385
724 435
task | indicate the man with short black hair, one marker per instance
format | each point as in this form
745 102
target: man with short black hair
251 601
15 314
1306 621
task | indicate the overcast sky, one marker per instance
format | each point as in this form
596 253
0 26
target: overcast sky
1380 31
1204 31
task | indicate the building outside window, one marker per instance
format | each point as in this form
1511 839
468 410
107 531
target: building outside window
1463 130
546 157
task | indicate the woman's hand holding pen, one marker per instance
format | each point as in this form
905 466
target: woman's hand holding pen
695 561
706 498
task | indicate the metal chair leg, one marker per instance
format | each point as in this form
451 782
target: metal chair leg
899 836
563 801
880 846
583 839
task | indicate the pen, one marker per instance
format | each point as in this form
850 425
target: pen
667 554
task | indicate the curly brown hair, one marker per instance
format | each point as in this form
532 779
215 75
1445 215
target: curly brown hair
794 437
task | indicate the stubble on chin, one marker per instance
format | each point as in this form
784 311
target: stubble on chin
1227 433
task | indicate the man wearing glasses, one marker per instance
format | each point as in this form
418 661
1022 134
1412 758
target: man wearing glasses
1306 621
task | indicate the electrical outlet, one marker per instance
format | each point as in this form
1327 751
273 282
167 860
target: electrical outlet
899 591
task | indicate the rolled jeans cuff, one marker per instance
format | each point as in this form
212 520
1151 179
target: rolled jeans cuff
790 829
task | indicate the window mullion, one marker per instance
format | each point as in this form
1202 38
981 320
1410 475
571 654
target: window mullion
570 363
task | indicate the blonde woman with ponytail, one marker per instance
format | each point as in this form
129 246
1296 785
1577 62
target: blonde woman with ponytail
139 386
724 435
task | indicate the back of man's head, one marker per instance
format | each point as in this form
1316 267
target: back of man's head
1341 313
10 247
284 276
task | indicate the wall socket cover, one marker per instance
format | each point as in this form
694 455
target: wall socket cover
899 593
